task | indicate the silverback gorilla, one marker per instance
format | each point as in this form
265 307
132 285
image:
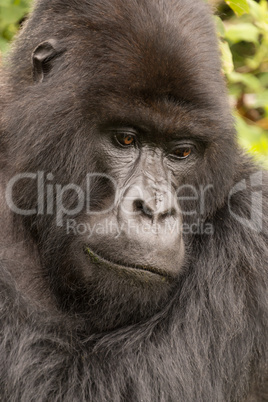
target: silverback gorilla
134 254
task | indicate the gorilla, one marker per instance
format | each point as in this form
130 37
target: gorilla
134 231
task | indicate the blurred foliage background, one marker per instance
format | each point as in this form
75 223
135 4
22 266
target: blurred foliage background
243 37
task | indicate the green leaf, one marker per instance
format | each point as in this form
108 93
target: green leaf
264 79
240 7
227 58
3 45
249 80
11 15
6 3
219 26
253 139
258 11
243 32
261 99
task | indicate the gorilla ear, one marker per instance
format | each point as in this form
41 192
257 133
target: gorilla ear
43 57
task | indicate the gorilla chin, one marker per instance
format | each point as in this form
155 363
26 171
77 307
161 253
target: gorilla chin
116 295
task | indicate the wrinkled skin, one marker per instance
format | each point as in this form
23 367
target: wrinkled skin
133 230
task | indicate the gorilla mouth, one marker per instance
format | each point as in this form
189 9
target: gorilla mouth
99 260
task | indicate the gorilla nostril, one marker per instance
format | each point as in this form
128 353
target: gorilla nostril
140 206
143 208
167 214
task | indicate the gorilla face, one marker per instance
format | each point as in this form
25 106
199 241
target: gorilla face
127 267
144 215
129 127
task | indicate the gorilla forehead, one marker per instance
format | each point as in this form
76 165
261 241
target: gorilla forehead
164 53
169 41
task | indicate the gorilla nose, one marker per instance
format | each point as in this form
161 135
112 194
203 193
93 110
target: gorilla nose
158 211
151 218
151 205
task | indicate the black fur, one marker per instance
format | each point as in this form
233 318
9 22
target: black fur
64 341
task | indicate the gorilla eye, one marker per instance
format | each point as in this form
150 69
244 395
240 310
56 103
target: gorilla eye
125 139
182 152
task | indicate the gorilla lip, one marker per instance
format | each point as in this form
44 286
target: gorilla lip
99 260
